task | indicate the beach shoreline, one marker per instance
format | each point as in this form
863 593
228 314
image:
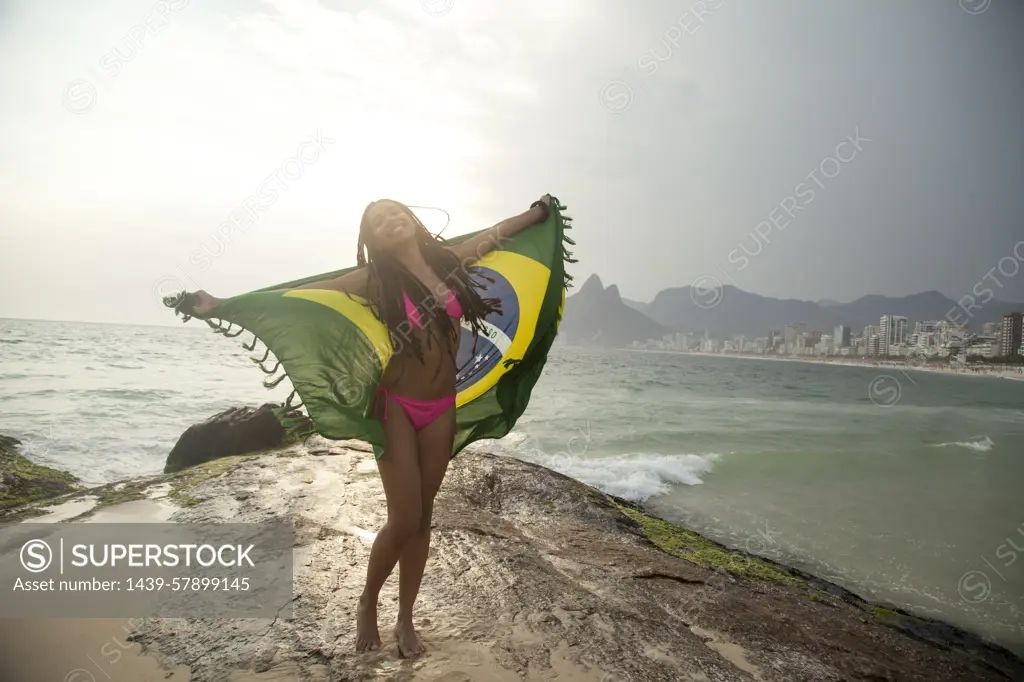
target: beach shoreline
1013 373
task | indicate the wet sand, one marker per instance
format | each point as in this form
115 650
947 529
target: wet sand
98 650
78 650
84 649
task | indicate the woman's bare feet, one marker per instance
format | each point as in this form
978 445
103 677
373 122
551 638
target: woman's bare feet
409 643
367 634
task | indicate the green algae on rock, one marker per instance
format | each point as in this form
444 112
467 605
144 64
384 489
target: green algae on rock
179 487
22 482
686 544
188 479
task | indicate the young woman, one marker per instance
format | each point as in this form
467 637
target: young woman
420 287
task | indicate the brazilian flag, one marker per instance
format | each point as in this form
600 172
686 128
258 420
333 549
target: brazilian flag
334 350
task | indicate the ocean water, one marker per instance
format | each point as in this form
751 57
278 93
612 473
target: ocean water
903 487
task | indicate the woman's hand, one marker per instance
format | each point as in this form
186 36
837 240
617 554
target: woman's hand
542 207
203 303
197 304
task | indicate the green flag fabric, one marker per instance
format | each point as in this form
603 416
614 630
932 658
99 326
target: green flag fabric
334 350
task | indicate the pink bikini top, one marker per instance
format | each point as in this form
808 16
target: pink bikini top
453 308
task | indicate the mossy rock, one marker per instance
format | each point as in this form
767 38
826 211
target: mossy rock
185 481
892 616
879 612
22 482
126 492
115 493
181 486
686 544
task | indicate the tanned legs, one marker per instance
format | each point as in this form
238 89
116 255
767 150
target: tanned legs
412 468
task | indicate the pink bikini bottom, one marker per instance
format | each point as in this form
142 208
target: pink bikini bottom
419 412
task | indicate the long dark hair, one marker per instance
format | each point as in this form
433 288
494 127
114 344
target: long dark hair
388 278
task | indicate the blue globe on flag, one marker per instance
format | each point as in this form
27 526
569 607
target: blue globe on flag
499 330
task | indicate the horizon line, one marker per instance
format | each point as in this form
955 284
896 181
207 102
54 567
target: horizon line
114 324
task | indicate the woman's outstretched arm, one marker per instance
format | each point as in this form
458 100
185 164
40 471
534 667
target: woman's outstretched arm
350 283
354 282
475 248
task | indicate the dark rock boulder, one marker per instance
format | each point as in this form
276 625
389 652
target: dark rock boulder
22 482
236 431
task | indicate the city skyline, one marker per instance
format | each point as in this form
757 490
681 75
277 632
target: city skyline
890 338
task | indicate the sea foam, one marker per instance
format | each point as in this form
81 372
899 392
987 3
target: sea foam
635 477
978 444
641 476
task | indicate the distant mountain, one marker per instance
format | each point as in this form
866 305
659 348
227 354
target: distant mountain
597 316
730 310
637 305
828 303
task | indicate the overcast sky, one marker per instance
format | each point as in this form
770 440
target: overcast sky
688 140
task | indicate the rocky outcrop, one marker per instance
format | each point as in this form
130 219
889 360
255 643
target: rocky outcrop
532 575
22 482
236 431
